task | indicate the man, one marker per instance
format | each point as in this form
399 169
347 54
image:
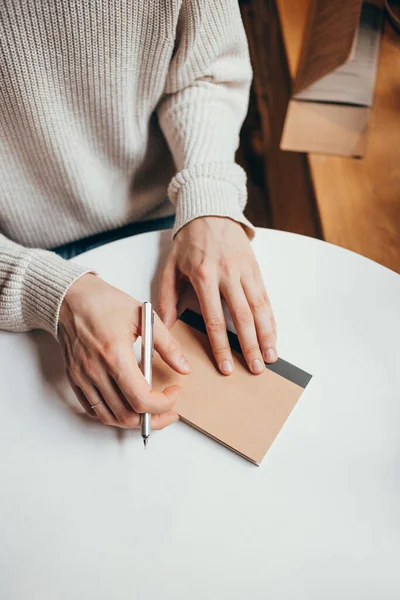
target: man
102 105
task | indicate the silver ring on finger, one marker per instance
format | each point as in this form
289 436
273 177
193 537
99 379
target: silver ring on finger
97 403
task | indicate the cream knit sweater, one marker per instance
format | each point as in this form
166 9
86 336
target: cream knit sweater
102 104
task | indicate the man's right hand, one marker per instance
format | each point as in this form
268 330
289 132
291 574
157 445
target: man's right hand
98 325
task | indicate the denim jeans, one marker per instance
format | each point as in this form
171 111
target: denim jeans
93 241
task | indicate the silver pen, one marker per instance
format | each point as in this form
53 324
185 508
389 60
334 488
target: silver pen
146 360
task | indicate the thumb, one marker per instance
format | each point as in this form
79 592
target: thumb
168 298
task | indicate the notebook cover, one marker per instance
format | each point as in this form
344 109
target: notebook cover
244 412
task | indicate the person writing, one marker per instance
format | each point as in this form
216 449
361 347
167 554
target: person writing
115 115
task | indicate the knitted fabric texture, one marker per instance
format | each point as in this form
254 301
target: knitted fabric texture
104 106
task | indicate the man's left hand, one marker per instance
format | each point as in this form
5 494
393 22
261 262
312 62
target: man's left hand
215 255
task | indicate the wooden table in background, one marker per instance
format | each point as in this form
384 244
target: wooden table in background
354 203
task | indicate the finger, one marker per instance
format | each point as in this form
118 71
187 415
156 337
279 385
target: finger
126 417
117 403
244 324
168 300
97 403
134 387
260 306
169 348
83 401
211 308
163 420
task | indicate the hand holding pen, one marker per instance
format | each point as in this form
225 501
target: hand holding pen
98 325
147 351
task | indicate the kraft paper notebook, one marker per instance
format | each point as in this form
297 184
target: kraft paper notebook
244 412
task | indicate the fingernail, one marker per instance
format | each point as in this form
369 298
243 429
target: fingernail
270 355
257 366
185 365
226 367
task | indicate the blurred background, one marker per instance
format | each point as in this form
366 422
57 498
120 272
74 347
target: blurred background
352 201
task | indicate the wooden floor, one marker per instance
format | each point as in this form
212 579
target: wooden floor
349 202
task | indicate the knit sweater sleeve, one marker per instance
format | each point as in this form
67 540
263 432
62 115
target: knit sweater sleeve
202 110
33 284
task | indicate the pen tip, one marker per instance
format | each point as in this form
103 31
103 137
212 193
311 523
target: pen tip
145 440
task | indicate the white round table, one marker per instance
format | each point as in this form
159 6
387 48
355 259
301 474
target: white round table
85 513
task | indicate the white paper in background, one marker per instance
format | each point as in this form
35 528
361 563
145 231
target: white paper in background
353 82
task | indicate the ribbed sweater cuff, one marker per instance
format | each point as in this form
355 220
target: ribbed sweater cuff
46 280
216 189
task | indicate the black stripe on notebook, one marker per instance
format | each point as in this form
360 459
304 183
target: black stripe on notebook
280 367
